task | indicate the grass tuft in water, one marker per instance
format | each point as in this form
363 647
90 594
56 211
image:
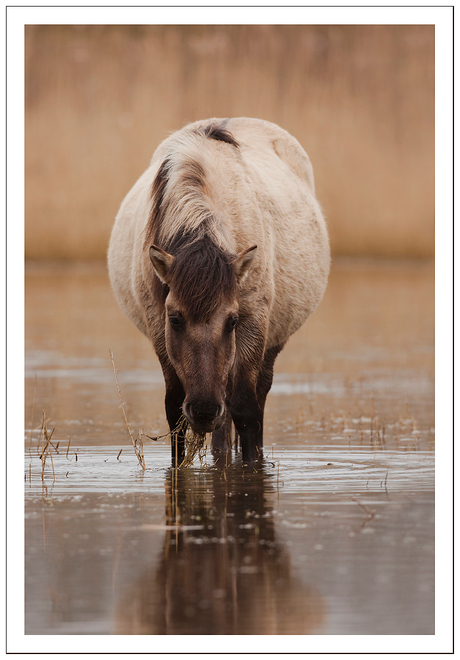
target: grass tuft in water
194 442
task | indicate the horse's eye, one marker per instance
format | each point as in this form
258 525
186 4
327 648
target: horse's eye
176 322
232 323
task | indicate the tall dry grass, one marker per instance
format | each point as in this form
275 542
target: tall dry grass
360 99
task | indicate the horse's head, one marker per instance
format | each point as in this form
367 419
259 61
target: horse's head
201 316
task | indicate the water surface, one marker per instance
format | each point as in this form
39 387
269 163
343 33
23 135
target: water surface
332 534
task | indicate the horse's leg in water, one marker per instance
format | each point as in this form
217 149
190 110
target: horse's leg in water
173 405
248 418
222 439
237 437
248 406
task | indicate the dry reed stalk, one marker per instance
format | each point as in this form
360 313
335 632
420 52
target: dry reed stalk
137 443
47 448
139 449
181 426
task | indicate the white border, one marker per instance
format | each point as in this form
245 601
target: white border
17 17
192 15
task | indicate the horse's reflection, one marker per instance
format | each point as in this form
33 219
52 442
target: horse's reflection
222 570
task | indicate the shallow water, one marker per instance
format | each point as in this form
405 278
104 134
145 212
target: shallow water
332 534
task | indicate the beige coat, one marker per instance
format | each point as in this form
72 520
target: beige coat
262 194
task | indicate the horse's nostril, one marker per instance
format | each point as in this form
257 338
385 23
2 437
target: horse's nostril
202 411
187 408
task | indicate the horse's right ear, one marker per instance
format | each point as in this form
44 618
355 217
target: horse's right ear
162 262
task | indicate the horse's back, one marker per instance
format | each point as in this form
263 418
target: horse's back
255 137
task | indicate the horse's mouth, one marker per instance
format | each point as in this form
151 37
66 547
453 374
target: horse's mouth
202 427
202 424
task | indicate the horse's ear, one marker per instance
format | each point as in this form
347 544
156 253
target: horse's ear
162 262
242 262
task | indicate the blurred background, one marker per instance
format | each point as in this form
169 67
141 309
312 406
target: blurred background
360 100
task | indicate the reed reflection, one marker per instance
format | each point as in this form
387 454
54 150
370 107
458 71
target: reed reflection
222 570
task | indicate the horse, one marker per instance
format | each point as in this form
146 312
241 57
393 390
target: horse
218 254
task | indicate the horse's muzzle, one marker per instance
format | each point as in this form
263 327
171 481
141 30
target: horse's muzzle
203 416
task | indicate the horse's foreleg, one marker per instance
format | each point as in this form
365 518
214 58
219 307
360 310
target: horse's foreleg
235 444
248 419
173 405
174 399
248 404
222 438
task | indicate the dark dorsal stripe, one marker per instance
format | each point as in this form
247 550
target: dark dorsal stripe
219 132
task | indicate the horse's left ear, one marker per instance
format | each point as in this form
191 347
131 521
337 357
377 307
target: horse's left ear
162 262
243 261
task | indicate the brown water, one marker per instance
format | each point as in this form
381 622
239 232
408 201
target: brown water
334 534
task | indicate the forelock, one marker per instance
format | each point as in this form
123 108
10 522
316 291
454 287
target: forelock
202 279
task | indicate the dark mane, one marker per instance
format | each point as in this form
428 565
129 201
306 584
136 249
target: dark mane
188 178
192 177
157 194
202 277
202 274
219 132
